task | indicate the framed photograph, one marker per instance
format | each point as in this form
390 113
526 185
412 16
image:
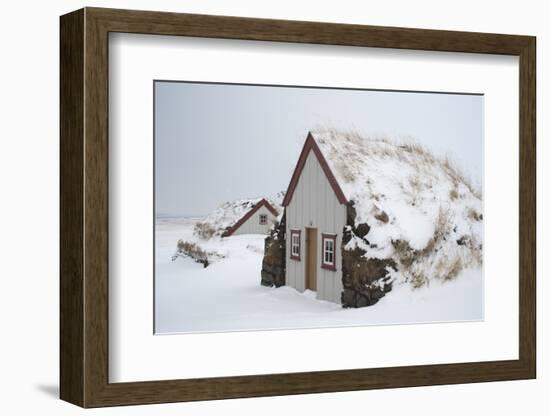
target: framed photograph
255 207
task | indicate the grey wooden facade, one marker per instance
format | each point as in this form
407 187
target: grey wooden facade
315 205
252 225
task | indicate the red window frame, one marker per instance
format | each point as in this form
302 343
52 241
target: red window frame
299 234
328 237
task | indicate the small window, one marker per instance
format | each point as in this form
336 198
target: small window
295 243
328 254
263 219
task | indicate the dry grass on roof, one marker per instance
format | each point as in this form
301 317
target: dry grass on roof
356 147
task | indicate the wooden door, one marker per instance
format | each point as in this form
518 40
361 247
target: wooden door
311 259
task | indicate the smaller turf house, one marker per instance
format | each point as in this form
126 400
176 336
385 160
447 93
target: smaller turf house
244 216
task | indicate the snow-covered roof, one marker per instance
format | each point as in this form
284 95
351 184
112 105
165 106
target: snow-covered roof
405 181
401 190
229 214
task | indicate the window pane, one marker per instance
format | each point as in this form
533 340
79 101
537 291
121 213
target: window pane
295 244
328 251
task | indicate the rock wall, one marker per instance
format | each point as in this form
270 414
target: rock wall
365 280
274 262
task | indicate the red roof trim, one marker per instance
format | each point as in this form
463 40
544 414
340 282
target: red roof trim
309 145
262 203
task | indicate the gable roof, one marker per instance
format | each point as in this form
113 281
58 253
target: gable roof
255 207
231 215
311 146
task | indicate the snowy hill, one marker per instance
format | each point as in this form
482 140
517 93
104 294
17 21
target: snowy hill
226 215
422 211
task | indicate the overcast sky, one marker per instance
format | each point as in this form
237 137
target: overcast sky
220 142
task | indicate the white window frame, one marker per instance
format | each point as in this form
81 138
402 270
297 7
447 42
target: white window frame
325 240
295 255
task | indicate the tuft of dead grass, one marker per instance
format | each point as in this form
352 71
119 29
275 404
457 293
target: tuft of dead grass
409 259
204 230
453 194
454 269
404 253
413 189
442 224
382 217
458 177
418 279
474 215
197 253
420 151
345 171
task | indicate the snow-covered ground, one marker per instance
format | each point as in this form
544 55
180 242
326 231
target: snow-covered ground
227 295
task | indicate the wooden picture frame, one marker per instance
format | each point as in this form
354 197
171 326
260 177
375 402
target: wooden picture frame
84 207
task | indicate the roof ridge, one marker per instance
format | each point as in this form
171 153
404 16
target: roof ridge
311 145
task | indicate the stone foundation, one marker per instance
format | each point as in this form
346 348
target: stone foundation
274 262
365 280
